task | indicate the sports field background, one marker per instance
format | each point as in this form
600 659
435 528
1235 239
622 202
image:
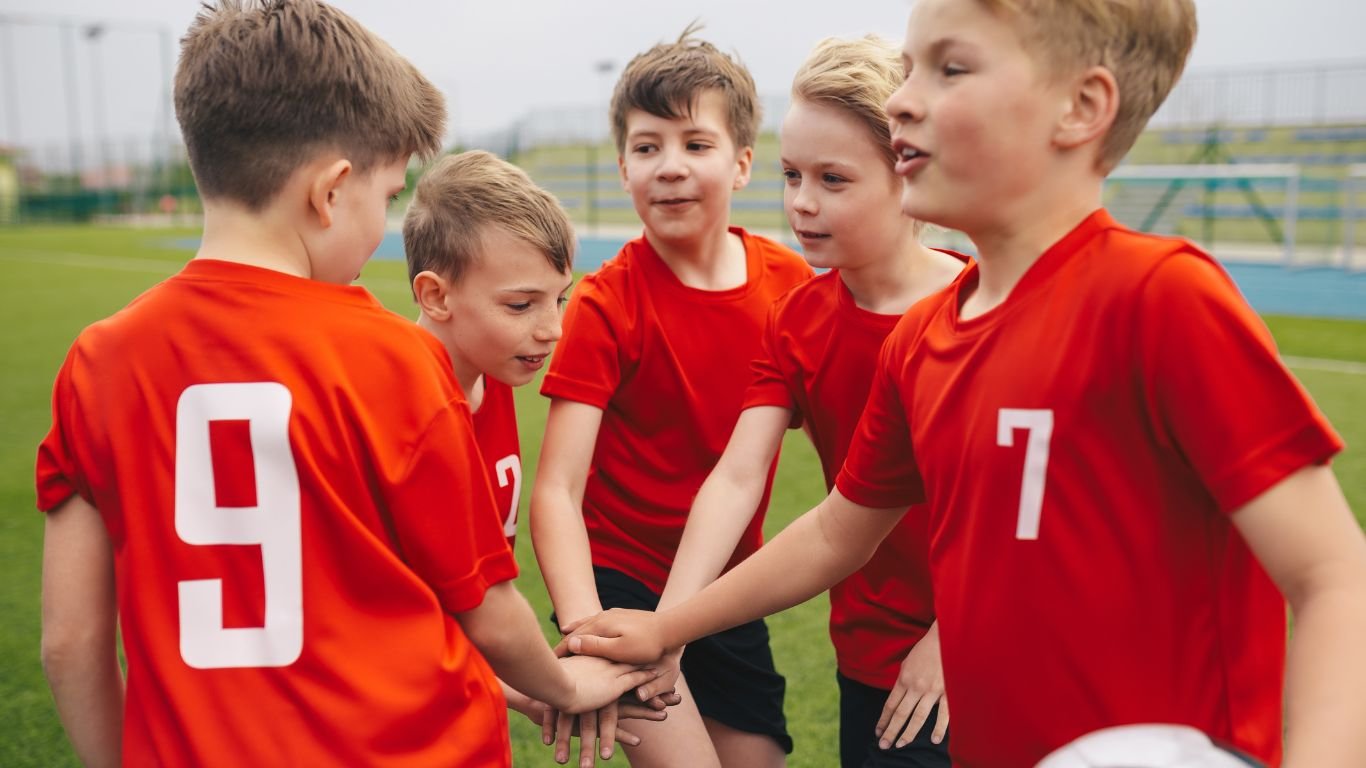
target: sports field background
56 280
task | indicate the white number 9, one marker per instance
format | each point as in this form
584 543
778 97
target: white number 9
273 524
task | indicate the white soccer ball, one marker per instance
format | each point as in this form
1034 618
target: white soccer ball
1145 745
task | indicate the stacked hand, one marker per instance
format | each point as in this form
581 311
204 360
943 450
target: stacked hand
628 636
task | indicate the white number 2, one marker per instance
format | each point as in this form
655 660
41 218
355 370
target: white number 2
273 525
1039 423
509 470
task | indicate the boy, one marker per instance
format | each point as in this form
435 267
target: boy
820 347
274 476
648 384
1110 449
489 258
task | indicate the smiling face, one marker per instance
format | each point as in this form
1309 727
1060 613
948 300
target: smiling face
841 197
972 122
682 172
502 317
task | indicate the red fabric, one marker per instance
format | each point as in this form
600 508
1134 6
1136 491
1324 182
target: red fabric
668 365
820 352
495 429
1138 601
394 524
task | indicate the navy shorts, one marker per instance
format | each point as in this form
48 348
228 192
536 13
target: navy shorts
731 673
860 708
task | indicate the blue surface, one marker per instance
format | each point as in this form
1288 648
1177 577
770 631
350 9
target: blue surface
1269 288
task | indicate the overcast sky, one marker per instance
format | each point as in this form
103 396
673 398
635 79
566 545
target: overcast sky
498 60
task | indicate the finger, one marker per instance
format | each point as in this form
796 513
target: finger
941 725
626 737
632 710
548 718
922 713
564 729
588 737
637 677
575 624
655 688
897 723
562 648
888 710
607 731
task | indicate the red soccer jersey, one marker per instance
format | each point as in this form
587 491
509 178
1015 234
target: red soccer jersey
289 479
668 365
495 429
1080 446
820 352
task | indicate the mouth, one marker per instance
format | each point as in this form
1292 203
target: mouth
806 235
533 360
909 157
674 202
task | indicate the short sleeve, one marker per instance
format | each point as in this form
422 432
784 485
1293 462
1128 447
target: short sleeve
445 520
770 383
586 366
1217 389
880 469
56 471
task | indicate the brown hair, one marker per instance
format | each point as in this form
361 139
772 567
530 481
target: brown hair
464 195
1144 43
262 85
666 80
856 76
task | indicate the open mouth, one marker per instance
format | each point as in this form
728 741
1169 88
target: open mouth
533 359
804 234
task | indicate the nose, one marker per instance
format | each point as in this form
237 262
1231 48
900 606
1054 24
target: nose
801 198
673 164
905 104
549 329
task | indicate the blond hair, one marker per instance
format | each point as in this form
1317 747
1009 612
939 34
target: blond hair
464 195
263 85
1144 43
856 76
666 81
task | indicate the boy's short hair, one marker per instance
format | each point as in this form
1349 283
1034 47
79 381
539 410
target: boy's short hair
462 196
262 85
1143 42
857 77
666 80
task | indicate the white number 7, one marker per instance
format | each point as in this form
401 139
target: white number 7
273 525
1039 422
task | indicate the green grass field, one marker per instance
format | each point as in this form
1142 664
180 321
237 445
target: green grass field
54 281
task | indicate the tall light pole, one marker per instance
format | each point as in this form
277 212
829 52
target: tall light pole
92 33
603 68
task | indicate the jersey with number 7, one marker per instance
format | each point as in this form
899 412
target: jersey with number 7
290 483
1079 447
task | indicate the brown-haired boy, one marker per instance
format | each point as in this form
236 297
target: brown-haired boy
1119 471
648 384
266 481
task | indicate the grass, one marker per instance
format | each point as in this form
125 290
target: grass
54 281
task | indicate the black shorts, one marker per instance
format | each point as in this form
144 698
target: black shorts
860 708
731 673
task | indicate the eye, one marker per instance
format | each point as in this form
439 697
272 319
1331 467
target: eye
394 198
698 146
833 179
643 149
561 301
520 306
951 69
791 176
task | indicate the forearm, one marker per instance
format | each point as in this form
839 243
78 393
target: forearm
560 540
87 686
504 629
1326 680
813 553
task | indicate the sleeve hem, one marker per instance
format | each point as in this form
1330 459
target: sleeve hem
1311 444
467 593
866 495
557 386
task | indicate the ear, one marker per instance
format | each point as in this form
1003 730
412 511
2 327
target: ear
744 161
621 169
430 290
1090 111
324 188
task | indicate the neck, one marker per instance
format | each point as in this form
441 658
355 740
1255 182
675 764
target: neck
259 239
466 374
890 285
714 261
1005 252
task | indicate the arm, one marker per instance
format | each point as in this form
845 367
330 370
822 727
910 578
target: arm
827 543
504 629
1304 535
80 618
558 534
726 502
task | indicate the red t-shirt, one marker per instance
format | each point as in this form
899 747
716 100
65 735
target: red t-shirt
820 352
668 365
1080 447
288 475
495 429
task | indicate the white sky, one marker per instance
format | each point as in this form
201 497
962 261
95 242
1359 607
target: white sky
498 60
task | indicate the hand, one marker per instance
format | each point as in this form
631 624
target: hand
599 682
601 727
669 668
919 687
623 635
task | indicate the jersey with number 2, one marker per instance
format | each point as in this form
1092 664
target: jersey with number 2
495 429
